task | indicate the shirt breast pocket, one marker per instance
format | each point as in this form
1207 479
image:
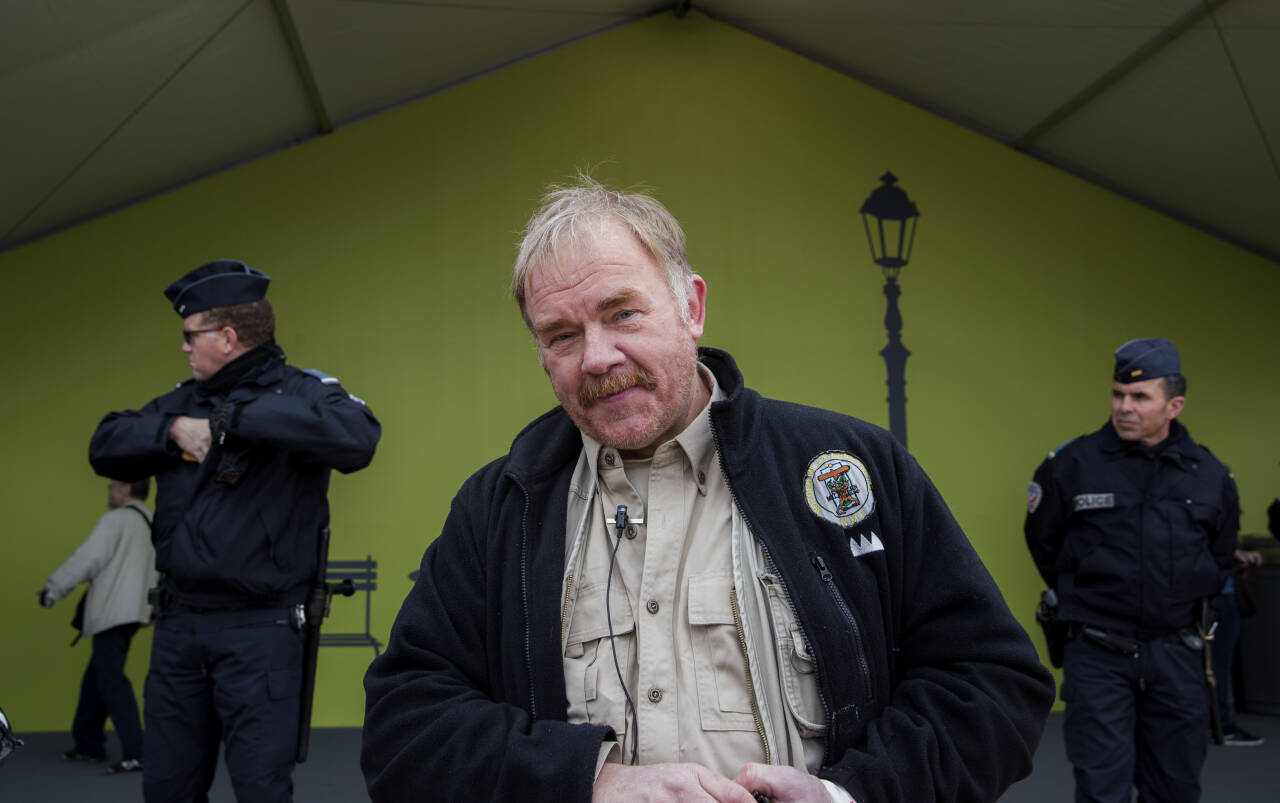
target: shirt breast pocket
719 656
591 680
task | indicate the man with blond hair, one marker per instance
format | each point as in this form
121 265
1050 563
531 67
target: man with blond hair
673 589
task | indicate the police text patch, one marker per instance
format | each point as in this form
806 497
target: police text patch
1094 501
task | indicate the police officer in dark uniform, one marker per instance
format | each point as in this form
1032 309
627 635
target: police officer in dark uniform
1132 526
241 453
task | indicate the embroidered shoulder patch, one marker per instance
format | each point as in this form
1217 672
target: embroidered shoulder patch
838 488
1034 494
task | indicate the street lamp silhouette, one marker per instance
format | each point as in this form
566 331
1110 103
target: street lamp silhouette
890 238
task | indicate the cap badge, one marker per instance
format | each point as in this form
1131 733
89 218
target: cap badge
838 489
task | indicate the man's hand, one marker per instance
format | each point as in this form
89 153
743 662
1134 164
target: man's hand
1248 557
666 782
192 436
46 599
782 784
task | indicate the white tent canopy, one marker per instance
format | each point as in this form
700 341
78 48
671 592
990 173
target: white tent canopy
1175 104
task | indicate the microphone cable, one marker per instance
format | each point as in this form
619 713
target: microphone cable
620 522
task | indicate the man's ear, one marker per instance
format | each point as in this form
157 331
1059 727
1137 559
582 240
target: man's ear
697 305
231 339
1175 406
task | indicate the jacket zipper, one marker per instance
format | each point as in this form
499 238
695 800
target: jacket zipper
825 574
564 607
746 668
524 600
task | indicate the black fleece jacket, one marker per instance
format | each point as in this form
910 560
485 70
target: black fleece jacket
932 690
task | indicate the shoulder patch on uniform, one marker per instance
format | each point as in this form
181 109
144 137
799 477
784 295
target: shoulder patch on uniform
1034 494
1055 452
321 375
838 489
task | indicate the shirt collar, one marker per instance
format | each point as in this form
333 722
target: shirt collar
696 441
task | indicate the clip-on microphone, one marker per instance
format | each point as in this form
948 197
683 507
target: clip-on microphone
621 521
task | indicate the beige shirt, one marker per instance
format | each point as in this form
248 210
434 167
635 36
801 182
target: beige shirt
702 631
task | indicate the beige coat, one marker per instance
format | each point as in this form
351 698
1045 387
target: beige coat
118 561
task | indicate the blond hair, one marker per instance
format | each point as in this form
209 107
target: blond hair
566 209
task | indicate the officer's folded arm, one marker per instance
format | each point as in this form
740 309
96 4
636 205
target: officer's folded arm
132 444
327 425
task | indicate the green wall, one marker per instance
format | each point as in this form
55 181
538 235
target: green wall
390 243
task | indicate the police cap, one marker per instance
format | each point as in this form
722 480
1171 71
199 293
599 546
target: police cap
1146 358
220 283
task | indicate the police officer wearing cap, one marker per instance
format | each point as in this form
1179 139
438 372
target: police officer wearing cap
241 453
1132 526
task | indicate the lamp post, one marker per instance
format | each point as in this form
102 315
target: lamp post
889 218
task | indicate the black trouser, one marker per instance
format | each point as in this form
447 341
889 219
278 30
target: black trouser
1224 648
105 691
229 676
1136 721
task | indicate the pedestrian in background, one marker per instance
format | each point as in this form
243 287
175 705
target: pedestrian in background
118 562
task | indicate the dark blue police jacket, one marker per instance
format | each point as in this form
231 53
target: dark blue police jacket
228 541
932 690
1132 538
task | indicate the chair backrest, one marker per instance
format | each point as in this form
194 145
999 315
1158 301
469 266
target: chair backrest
363 574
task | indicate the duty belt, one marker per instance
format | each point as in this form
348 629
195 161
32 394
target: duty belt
1107 640
1126 645
161 599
